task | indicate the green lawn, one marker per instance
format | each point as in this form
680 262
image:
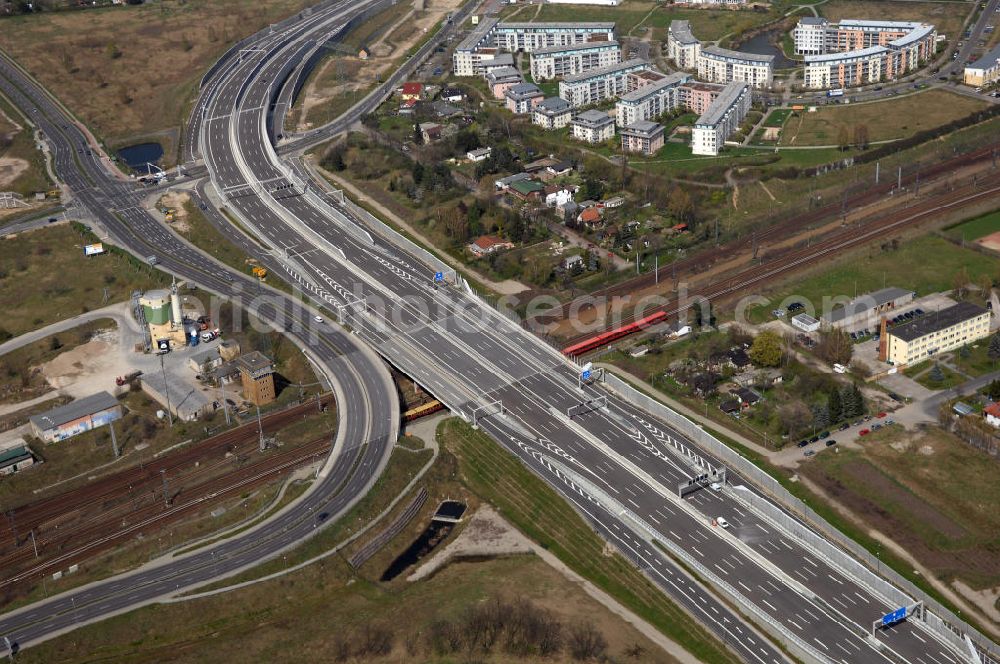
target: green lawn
892 118
976 228
34 178
930 265
922 374
777 117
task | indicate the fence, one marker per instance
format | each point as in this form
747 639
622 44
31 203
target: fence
837 547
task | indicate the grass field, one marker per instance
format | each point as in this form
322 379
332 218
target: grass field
931 264
34 177
44 278
931 493
946 16
131 72
976 228
632 16
777 117
921 373
886 120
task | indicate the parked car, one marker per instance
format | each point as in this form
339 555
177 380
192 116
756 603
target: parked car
809 453
715 486
803 443
864 432
831 442
825 434
845 426
890 421
895 397
881 415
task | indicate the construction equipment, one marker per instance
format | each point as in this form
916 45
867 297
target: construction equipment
126 379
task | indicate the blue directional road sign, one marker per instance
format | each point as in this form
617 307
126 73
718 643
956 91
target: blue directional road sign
894 617
585 374
439 276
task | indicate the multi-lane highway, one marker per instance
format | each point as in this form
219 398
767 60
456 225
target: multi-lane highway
615 463
367 425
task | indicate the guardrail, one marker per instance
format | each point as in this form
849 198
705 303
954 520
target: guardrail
847 553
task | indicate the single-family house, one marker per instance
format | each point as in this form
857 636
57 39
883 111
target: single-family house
526 190
412 91
482 154
559 168
992 414
430 131
573 262
488 244
503 184
556 195
590 216
453 95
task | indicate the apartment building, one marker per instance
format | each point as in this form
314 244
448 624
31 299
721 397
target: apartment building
644 137
503 79
809 35
934 333
492 37
560 61
682 46
523 97
860 51
721 65
530 37
650 100
598 84
721 119
552 113
474 49
697 97
593 126
839 70
985 70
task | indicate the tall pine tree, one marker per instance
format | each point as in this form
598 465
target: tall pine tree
834 406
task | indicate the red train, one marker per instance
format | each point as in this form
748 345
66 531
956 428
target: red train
613 335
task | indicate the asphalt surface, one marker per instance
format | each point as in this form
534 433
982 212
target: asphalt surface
614 463
367 426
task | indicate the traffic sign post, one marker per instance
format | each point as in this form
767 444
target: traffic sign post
585 373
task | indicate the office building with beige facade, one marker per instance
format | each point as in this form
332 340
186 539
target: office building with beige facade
934 333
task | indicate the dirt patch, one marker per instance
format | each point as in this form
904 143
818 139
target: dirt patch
486 535
177 201
11 168
991 241
87 368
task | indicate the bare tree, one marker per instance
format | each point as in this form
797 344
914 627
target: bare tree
586 642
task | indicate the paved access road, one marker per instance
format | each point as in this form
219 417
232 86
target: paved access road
615 463
367 401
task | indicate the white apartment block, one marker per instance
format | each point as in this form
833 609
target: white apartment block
596 85
530 37
492 36
721 65
721 119
560 61
650 101
593 126
985 70
809 35
682 46
552 113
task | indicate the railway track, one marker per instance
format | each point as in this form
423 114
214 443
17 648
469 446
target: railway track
927 174
60 550
122 486
850 237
